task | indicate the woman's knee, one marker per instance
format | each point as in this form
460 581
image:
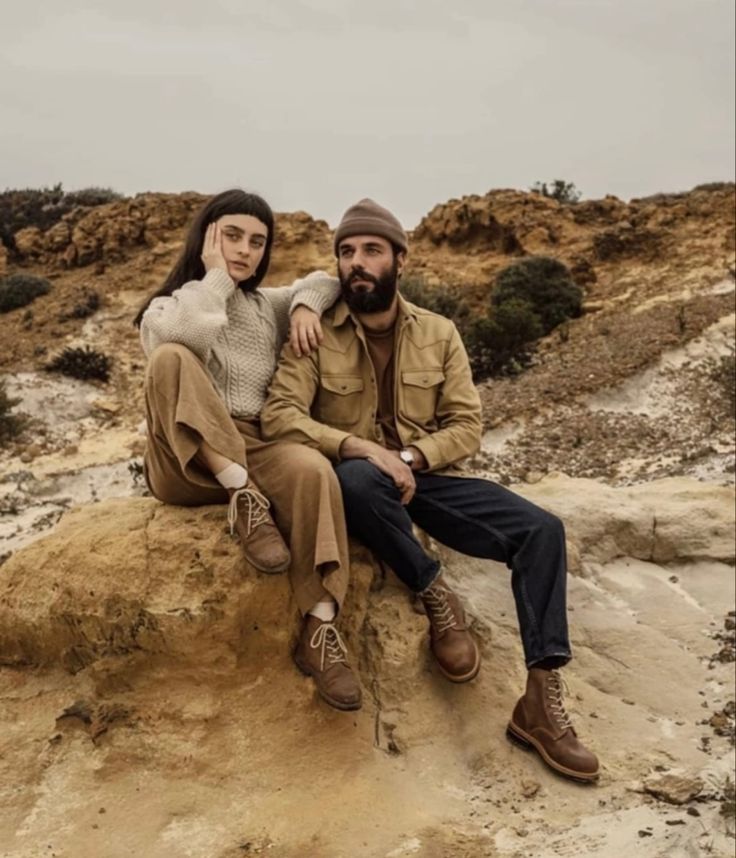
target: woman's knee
168 358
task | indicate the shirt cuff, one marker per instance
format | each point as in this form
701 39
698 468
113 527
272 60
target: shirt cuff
331 441
429 448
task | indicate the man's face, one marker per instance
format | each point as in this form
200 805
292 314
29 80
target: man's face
369 272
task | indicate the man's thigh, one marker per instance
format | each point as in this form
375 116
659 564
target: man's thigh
474 516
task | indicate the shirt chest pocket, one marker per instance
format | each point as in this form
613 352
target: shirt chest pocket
420 390
340 398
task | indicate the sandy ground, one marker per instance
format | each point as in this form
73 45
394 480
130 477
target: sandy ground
158 761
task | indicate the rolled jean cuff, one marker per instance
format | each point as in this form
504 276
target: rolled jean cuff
567 656
426 579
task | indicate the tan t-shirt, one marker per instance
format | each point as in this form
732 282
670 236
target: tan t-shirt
381 351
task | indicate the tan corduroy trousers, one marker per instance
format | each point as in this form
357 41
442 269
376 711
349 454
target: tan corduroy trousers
183 409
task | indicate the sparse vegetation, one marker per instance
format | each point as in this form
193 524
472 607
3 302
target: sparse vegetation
558 189
83 363
43 207
543 283
530 298
11 425
88 306
438 299
724 374
18 290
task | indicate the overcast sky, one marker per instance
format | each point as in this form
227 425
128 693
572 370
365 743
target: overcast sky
316 103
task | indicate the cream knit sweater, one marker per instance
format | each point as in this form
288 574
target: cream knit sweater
237 335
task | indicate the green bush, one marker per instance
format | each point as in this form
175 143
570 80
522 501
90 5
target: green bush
545 284
500 344
438 299
529 299
43 207
83 363
11 425
18 290
558 189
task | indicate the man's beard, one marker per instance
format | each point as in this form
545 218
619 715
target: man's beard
376 300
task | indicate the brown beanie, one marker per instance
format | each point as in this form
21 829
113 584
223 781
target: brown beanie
368 218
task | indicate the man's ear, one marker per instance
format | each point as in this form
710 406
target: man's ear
400 261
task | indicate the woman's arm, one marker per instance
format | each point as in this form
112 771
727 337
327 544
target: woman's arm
317 292
192 315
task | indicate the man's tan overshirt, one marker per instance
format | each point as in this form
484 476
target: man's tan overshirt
322 399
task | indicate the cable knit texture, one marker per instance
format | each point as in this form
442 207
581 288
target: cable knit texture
237 335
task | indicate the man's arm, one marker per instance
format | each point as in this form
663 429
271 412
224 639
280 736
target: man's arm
286 414
458 413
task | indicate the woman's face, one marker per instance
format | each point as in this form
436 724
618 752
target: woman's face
243 244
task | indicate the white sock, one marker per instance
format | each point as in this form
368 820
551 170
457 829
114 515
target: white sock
325 610
233 477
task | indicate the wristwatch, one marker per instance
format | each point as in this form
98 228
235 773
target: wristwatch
407 457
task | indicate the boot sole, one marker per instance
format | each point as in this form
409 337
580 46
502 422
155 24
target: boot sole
529 743
466 677
336 704
268 570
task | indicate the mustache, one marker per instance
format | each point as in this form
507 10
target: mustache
359 274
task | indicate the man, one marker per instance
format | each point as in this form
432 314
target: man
389 398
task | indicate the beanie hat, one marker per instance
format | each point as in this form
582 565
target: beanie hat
368 218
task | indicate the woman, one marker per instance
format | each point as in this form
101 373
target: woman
212 339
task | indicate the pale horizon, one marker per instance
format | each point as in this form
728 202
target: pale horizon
315 104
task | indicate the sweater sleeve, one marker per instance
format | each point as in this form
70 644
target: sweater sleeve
192 315
317 290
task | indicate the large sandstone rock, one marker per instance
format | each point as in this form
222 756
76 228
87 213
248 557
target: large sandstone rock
135 576
669 520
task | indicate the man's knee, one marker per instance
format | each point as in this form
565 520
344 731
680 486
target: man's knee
359 479
548 524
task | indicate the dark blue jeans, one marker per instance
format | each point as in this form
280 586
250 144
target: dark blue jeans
475 517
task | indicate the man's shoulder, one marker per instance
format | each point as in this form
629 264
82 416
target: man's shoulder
428 321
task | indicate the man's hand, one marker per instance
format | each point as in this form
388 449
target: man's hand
385 460
212 255
305 333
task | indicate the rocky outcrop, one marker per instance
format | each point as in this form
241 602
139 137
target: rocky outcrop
135 576
110 233
665 521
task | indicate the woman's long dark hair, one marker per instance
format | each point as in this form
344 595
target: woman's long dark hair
189 266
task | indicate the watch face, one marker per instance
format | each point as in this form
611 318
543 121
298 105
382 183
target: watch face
406 457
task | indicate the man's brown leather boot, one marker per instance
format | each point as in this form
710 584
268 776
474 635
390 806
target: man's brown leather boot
321 654
452 645
539 721
263 545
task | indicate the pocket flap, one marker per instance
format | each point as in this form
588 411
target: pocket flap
423 377
342 384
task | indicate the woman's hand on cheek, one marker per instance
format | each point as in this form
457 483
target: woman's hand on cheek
305 333
212 255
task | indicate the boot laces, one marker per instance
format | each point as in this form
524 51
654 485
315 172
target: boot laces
439 607
556 689
255 504
332 648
